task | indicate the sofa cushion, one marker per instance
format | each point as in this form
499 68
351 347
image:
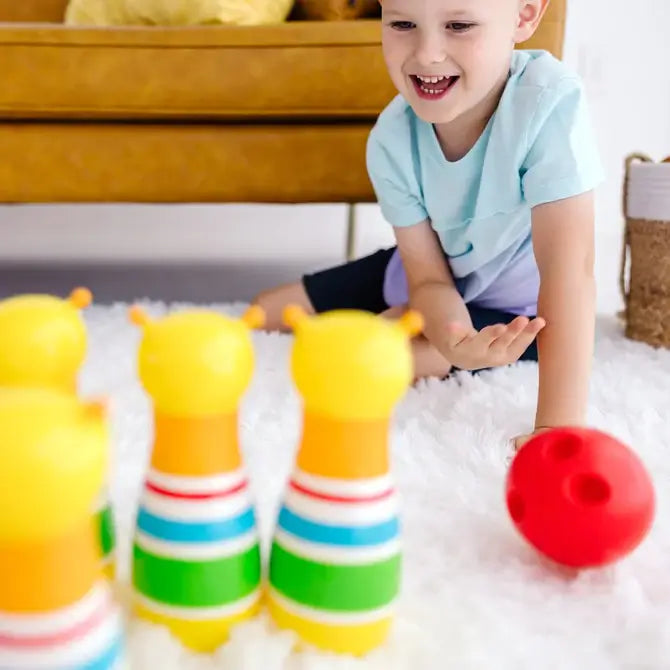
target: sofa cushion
296 69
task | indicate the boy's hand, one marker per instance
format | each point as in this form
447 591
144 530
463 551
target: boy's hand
520 440
493 346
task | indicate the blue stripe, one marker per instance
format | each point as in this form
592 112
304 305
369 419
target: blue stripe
349 536
108 660
207 531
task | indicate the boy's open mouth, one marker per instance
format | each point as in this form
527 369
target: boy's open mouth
433 88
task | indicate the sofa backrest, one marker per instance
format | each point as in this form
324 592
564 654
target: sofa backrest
49 11
550 35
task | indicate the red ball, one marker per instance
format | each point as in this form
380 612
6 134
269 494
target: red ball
580 497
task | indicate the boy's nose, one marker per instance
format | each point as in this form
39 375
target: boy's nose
430 49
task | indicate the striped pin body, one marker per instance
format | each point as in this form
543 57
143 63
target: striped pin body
56 609
196 555
85 635
335 564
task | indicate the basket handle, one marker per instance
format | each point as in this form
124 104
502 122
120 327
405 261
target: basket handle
630 159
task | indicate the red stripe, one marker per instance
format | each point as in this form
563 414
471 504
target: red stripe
340 499
68 635
195 496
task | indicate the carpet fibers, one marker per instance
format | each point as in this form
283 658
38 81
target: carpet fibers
475 596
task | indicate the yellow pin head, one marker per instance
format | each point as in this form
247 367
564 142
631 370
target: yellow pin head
43 339
350 364
53 460
196 362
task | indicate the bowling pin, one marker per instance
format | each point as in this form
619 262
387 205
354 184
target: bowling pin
335 564
43 343
196 560
56 609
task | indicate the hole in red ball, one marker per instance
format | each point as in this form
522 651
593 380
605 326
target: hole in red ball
590 489
516 506
564 447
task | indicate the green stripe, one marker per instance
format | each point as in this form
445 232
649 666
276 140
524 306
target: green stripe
196 583
338 588
107 532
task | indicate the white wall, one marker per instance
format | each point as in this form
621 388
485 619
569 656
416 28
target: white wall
622 50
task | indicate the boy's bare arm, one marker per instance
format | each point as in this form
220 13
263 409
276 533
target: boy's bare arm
431 286
563 239
448 326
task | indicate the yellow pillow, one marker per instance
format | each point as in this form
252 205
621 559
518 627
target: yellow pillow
176 12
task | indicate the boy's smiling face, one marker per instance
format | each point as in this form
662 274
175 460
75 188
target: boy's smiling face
448 57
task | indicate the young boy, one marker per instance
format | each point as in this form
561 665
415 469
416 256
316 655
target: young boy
485 165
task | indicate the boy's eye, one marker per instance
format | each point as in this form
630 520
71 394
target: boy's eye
459 26
402 25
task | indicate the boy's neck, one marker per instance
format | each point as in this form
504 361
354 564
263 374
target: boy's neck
457 137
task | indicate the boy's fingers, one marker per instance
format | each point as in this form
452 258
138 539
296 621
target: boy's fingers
525 339
490 334
512 331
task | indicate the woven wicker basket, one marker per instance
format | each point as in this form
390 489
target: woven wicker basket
335 10
645 262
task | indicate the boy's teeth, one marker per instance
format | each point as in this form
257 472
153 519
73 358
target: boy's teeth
430 80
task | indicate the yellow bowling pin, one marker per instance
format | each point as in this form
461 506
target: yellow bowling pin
335 563
56 610
196 560
43 343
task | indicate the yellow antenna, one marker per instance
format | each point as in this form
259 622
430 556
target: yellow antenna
138 316
411 322
81 297
254 317
293 316
96 408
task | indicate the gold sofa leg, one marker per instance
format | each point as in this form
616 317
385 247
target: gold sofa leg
351 231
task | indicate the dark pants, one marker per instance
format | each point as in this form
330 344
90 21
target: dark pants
359 284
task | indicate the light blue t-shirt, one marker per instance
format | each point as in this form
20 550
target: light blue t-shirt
538 147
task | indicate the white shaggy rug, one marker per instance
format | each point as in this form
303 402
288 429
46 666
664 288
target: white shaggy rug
475 596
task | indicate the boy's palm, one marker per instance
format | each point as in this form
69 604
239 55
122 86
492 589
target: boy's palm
492 346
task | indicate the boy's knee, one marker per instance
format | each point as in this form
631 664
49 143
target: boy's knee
273 301
267 301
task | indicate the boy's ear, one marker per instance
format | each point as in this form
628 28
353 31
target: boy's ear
530 15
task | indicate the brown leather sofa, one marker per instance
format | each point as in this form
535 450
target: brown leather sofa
214 114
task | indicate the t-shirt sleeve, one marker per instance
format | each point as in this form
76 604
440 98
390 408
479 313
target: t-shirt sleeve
563 158
395 186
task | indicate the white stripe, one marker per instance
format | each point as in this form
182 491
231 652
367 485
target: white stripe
344 487
331 618
196 551
336 555
350 514
68 654
200 613
213 484
196 510
38 625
